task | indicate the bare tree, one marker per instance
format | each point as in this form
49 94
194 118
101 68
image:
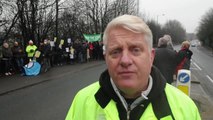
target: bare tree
38 19
156 30
35 18
8 17
176 30
27 13
45 19
72 20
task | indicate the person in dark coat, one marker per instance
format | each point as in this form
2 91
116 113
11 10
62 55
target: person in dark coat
165 60
59 54
45 58
18 54
184 56
7 57
1 62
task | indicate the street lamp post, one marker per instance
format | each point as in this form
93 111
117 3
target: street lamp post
159 16
56 21
138 6
157 33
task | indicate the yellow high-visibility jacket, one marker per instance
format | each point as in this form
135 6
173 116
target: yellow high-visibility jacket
28 50
86 106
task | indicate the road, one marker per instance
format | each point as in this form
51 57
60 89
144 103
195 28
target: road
49 100
202 59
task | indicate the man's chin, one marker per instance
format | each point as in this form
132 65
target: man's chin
127 86
129 91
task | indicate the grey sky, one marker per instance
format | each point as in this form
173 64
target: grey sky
188 12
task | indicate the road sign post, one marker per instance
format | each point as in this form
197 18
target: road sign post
184 81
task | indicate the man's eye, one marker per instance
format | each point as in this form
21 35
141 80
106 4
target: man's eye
115 53
136 51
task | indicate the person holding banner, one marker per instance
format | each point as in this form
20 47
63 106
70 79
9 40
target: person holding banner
131 88
72 55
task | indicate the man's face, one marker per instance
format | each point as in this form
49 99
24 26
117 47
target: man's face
30 43
15 43
129 60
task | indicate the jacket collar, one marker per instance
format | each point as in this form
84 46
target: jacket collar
106 91
138 100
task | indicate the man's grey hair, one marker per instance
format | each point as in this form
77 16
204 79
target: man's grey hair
162 42
131 23
169 39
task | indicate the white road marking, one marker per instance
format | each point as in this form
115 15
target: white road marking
209 78
197 66
193 68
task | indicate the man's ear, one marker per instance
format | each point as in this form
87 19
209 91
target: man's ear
152 55
104 52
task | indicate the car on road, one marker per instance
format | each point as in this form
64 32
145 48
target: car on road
193 45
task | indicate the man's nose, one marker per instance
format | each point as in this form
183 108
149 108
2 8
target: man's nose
126 59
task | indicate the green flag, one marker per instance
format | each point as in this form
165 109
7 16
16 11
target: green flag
92 37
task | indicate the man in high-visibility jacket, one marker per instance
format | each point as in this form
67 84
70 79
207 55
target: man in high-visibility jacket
131 88
30 49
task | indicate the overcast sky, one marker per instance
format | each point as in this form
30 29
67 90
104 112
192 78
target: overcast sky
188 12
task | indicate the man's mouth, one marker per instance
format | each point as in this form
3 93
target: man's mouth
126 72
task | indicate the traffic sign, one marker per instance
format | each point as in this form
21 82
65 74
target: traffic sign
184 81
184 77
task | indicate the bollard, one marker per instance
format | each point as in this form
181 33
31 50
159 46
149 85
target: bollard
184 81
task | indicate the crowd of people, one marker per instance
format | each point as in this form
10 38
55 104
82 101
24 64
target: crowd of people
13 56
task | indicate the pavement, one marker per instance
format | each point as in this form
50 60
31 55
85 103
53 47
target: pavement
9 84
203 101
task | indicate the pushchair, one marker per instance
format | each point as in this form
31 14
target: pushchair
33 68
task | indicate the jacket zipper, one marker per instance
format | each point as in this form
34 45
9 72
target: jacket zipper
128 112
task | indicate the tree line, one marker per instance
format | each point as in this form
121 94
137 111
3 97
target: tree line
40 19
205 29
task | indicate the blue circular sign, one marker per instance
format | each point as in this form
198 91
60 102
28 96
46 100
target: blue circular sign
184 77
